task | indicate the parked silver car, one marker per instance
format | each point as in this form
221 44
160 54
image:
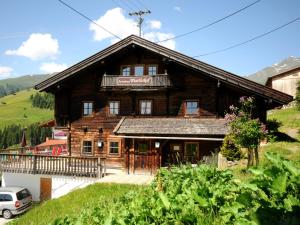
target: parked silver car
14 200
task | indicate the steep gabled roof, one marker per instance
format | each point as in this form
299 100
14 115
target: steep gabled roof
214 72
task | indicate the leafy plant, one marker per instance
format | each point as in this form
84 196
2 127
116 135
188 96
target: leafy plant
246 131
230 150
205 195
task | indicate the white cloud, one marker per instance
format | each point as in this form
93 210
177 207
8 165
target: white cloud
5 71
115 21
37 46
155 24
52 67
159 36
177 8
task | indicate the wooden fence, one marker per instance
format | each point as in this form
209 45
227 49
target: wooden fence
53 165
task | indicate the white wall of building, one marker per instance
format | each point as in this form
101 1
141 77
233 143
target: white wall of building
61 185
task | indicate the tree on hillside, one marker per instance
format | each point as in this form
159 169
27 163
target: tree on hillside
42 100
247 132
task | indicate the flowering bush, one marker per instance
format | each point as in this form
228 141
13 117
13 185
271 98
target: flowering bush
245 131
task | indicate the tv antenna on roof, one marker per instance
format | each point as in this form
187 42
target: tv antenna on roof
140 20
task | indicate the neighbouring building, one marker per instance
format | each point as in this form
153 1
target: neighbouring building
143 106
285 82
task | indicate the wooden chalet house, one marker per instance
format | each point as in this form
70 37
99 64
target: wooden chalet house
143 106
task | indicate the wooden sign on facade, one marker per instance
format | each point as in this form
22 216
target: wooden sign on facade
134 81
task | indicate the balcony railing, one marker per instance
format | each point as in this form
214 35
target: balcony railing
146 81
54 165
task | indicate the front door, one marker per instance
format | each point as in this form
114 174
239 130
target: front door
142 157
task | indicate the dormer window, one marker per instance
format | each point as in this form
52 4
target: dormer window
139 70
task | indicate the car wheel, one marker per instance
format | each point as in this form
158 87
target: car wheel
7 214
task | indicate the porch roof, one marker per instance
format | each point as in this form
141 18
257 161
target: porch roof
171 126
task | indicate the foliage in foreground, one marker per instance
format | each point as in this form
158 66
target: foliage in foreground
204 195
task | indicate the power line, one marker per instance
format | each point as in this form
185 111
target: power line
212 23
134 4
128 6
142 4
250 40
89 19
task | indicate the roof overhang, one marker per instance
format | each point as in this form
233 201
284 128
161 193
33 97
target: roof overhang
164 128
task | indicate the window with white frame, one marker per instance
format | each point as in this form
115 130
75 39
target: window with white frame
87 147
192 107
87 108
114 107
125 70
145 107
152 70
113 147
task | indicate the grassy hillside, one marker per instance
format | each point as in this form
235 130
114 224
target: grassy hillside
17 109
290 119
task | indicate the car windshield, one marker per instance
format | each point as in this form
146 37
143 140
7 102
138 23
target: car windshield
23 194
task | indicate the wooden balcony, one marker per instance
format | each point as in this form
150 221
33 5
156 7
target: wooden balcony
136 82
53 165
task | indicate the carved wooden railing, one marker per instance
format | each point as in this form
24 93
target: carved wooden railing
53 165
159 80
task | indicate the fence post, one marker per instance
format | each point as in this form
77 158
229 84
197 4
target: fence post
99 167
34 164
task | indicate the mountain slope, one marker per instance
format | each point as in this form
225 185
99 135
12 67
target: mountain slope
17 109
11 85
285 65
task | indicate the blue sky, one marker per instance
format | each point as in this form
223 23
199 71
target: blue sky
45 36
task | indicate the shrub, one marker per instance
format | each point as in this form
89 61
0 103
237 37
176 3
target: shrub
298 96
272 126
230 150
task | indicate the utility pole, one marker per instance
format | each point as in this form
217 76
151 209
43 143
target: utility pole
140 15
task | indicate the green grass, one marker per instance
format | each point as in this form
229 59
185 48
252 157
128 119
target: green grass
17 109
290 119
73 203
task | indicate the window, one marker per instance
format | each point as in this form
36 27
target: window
114 107
191 152
125 70
145 107
139 70
87 108
143 147
5 198
113 147
192 107
87 147
152 70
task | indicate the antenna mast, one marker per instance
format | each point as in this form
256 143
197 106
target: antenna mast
140 15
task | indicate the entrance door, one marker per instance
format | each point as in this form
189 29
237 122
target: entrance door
45 189
191 152
142 157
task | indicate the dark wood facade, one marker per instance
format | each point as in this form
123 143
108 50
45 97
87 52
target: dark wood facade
171 91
